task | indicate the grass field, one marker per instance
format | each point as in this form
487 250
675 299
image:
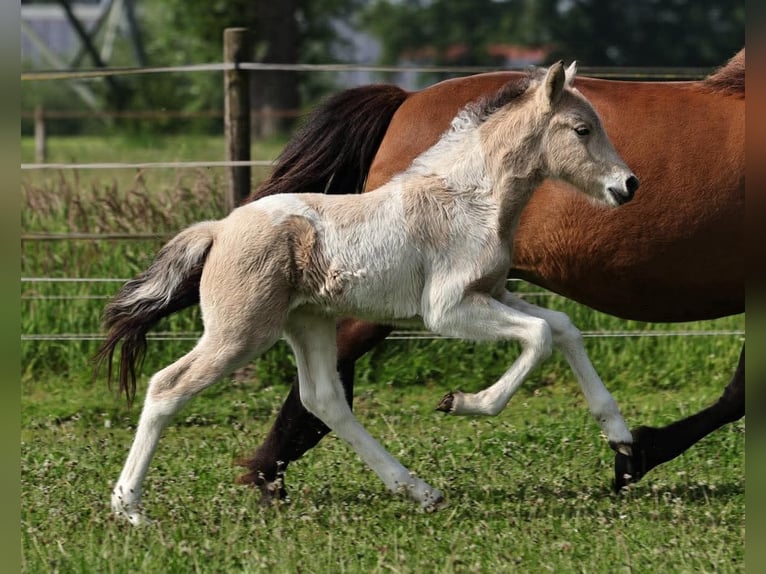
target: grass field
528 491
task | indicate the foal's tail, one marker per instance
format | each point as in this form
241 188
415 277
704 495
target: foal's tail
331 153
333 150
169 284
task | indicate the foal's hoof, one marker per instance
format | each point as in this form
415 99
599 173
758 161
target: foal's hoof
438 503
622 448
134 516
446 404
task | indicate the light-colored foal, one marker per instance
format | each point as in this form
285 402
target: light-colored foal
433 246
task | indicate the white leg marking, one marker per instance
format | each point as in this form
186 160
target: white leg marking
312 338
126 496
169 390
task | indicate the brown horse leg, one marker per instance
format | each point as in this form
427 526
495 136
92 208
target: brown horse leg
654 446
295 430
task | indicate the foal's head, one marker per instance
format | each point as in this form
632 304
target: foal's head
554 120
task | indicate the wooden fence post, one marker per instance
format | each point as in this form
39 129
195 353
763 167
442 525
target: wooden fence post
41 143
237 48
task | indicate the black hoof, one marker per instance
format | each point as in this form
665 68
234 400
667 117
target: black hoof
624 471
629 469
447 403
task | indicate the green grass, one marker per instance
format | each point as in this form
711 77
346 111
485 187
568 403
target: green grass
528 491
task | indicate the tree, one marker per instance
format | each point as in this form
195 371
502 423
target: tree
650 32
595 32
286 31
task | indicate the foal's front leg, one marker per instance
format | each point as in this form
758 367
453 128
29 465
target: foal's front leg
480 317
551 327
568 339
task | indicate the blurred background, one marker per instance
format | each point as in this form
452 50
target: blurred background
87 34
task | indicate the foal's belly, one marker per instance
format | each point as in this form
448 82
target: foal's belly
388 293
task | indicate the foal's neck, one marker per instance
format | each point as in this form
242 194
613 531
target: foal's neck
493 158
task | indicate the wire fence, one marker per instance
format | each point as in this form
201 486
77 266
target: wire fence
634 73
397 334
643 74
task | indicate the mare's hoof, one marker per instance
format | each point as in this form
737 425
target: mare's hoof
447 404
272 492
630 467
624 472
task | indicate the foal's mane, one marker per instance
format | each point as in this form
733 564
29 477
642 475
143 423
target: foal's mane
729 78
484 107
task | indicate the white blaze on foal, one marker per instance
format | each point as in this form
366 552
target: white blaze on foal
431 247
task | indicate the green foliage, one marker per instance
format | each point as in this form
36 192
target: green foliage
179 32
650 32
407 28
595 32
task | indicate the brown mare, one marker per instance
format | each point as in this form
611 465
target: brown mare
680 256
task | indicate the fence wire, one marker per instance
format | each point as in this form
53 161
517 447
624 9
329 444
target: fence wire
661 74
638 73
398 334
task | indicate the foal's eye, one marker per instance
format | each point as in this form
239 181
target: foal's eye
582 130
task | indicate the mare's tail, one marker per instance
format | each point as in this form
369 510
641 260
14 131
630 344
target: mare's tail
333 150
169 284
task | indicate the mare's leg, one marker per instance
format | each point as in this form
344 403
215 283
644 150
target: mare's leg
312 337
295 429
654 446
169 390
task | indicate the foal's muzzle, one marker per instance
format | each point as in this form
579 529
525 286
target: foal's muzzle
626 192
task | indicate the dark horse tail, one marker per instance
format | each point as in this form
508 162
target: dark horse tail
169 284
333 150
331 153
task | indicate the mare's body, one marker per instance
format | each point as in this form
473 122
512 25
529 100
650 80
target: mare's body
676 253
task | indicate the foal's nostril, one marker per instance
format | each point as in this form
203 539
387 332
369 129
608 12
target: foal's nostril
631 184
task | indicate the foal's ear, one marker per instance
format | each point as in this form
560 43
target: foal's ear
554 82
570 74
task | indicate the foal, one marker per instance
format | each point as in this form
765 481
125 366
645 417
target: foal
432 247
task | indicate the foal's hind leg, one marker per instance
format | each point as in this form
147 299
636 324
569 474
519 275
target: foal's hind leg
169 390
312 338
296 430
